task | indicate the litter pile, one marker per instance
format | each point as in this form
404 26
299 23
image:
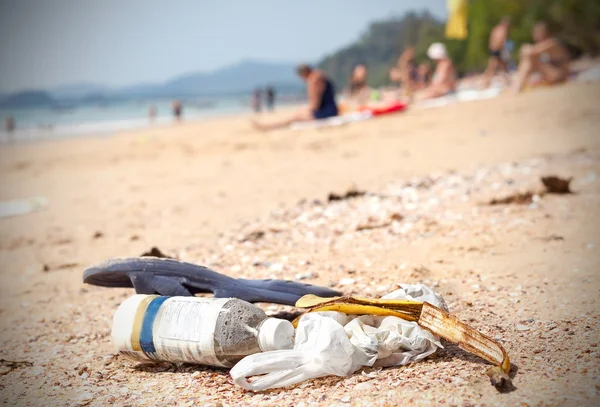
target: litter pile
336 336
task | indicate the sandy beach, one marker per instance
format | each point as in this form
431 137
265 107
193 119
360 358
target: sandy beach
524 274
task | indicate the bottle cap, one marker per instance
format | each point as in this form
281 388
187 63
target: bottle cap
275 334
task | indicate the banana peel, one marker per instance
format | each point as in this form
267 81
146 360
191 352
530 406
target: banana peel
405 309
434 319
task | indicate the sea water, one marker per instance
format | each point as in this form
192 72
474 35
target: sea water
103 119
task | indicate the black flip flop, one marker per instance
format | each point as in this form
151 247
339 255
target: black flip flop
153 275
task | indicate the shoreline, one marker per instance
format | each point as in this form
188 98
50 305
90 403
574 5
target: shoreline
109 128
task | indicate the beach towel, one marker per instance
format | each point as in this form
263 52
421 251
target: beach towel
464 95
456 26
362 113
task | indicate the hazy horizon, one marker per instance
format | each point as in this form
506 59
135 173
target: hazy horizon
45 45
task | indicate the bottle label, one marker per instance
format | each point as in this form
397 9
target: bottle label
184 329
175 329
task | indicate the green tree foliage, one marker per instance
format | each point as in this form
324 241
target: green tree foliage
575 22
380 47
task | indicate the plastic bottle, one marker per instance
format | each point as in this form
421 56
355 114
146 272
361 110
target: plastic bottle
208 331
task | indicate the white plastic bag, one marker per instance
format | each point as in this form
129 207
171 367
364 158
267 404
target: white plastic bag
322 348
397 342
333 343
417 292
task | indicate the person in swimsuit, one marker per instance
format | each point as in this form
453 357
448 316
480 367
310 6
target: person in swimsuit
152 113
358 84
406 71
497 43
270 97
177 110
321 100
547 56
443 80
256 101
423 76
9 124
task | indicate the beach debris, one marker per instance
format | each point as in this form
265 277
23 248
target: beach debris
551 238
7 366
552 184
97 235
373 224
522 198
557 185
22 206
347 281
170 277
352 192
332 343
253 236
155 252
306 276
436 320
47 268
66 266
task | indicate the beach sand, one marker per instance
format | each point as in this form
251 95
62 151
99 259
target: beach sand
525 274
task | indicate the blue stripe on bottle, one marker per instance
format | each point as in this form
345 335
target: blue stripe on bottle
146 339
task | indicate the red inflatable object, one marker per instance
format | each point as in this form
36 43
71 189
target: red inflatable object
377 111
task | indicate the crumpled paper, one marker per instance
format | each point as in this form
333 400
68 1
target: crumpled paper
333 343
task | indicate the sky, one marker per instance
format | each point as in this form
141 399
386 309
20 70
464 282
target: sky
50 43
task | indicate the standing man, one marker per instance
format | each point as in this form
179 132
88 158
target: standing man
177 110
152 113
497 44
9 124
256 100
270 96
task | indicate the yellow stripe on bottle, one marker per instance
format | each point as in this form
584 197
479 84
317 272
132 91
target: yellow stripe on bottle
137 322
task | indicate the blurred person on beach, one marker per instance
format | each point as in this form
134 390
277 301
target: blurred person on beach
547 57
321 99
359 91
152 113
406 71
496 47
444 79
256 100
177 110
270 98
423 76
9 124
507 57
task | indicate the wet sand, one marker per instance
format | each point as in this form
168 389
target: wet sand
193 189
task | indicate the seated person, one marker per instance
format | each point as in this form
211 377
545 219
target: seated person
444 78
547 56
405 71
321 99
358 85
423 76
